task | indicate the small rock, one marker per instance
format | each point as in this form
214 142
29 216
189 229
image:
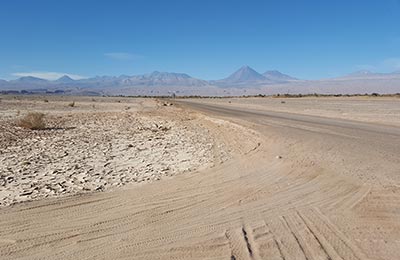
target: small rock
100 188
26 193
278 157
106 164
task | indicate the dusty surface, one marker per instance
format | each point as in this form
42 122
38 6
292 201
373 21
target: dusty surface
383 110
89 149
298 186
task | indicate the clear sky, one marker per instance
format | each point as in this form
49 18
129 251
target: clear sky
206 39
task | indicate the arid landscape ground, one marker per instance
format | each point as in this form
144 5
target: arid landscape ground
240 178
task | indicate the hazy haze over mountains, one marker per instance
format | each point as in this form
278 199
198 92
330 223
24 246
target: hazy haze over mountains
366 74
243 81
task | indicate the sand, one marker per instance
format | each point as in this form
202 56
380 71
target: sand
380 110
276 184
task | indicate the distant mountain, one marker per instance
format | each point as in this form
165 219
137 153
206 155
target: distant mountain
156 75
366 74
3 83
30 79
99 82
244 77
394 73
360 73
65 79
275 75
157 78
248 77
244 74
245 81
27 82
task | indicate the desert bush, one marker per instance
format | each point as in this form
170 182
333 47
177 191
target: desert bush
33 121
46 101
72 104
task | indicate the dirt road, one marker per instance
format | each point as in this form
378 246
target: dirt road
302 187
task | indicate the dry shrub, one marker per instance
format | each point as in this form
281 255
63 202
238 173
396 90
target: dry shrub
33 121
72 104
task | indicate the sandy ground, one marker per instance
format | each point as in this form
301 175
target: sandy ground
382 110
96 146
311 179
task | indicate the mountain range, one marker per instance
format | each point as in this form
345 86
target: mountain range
243 77
243 81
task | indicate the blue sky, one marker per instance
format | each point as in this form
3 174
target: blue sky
206 39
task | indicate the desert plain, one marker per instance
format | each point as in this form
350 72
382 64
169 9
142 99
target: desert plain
237 178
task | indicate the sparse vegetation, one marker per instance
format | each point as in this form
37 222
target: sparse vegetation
33 121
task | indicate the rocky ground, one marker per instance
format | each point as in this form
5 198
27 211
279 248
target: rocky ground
96 150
